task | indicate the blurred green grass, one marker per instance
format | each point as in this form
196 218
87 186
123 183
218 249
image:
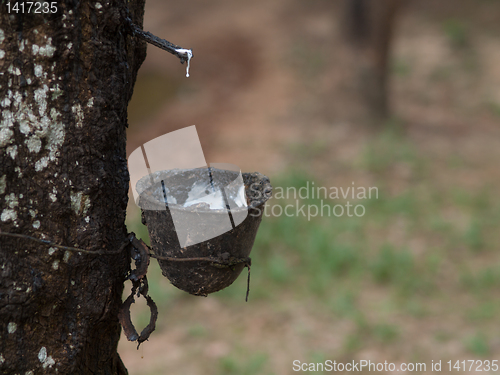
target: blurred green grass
457 33
253 364
422 265
407 249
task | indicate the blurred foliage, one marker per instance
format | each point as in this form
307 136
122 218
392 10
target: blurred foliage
457 33
250 365
335 262
495 108
478 344
419 274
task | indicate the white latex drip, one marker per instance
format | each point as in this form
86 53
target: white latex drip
189 54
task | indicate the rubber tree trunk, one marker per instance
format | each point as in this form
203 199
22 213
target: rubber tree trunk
65 82
370 29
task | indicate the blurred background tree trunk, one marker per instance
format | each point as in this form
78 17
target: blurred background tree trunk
65 83
370 28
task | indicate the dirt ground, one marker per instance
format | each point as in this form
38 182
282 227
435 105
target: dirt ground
271 88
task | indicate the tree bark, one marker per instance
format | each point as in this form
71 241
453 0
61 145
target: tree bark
370 28
67 79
